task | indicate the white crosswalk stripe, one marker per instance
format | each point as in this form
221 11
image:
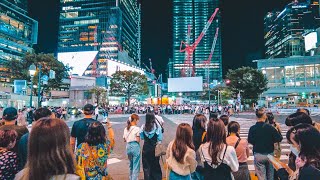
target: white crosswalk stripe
245 125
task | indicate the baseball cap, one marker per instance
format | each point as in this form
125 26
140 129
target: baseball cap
10 114
88 107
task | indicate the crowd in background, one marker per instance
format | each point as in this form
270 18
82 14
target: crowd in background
209 148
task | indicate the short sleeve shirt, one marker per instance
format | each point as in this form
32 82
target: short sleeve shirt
241 149
80 128
8 164
131 134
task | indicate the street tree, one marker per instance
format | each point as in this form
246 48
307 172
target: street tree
128 84
248 81
225 94
19 69
100 95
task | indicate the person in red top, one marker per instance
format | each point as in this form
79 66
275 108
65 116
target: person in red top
242 150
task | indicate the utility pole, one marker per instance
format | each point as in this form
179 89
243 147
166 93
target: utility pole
39 86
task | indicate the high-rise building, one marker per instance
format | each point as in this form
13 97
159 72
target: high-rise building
284 31
18 33
94 32
192 16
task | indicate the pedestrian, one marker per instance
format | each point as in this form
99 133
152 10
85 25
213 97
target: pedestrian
96 112
277 147
218 158
263 136
131 136
293 120
199 130
181 157
305 139
8 158
152 135
93 153
49 155
80 128
10 119
21 120
23 143
242 150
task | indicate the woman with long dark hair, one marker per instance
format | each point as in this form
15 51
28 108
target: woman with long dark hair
219 159
242 150
305 141
199 130
131 136
49 152
152 135
181 157
94 151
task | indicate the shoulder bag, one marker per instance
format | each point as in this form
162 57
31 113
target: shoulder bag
159 150
162 129
80 167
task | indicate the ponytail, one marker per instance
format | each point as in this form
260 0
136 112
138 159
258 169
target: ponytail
129 123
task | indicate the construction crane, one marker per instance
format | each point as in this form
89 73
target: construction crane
190 48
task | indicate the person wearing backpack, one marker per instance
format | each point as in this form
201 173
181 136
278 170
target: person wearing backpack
218 159
131 136
242 150
152 135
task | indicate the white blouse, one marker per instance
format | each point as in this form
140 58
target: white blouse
131 134
230 158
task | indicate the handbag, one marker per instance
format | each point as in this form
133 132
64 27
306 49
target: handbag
80 168
159 150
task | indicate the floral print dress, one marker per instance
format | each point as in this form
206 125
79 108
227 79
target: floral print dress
8 164
94 159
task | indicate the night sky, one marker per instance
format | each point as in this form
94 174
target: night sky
242 29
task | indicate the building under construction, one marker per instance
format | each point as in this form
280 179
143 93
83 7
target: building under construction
196 40
98 37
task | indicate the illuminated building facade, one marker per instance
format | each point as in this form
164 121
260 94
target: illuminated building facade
292 75
18 33
284 31
91 32
195 14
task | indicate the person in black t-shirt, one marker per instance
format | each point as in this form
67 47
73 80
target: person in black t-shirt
80 128
263 136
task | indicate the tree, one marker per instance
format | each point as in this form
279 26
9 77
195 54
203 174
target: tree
19 69
128 84
225 93
249 81
100 94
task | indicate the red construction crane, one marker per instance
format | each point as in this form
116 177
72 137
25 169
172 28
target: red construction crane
190 48
213 47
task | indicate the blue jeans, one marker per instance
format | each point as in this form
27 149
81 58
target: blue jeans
264 168
175 176
133 152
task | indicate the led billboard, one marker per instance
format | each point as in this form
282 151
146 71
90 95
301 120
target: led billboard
185 84
310 41
79 61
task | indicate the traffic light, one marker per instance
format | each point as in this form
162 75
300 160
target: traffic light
228 81
303 95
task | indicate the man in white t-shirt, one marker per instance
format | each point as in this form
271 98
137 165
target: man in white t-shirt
159 119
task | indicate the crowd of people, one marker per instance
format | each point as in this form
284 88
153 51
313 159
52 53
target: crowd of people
209 149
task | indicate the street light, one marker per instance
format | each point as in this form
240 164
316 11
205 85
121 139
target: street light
32 72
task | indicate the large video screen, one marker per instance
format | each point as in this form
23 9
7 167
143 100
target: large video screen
185 84
310 41
79 61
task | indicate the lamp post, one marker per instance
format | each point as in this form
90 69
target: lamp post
39 86
32 71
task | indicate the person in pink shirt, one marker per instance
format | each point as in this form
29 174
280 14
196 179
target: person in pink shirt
242 150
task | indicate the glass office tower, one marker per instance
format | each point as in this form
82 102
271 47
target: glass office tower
195 14
284 31
91 32
18 33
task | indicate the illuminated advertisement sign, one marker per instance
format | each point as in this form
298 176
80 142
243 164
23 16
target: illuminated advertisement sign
310 41
79 61
114 66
